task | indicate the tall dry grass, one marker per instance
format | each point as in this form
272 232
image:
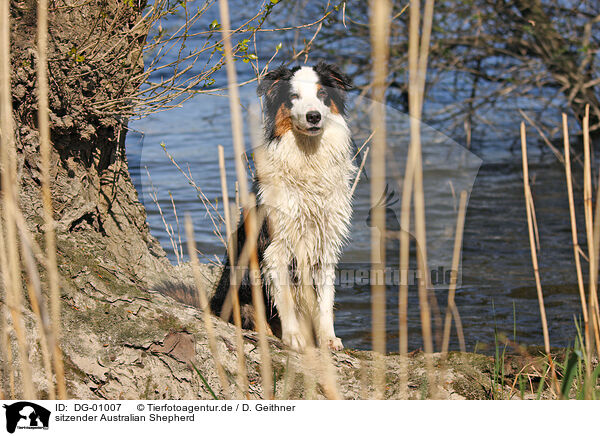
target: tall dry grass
242 379
11 272
14 233
532 239
418 51
574 235
248 204
44 131
452 310
203 299
593 314
380 34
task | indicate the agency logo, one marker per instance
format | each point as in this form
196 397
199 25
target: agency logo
26 415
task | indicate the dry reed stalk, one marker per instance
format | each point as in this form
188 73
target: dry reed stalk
536 271
6 342
168 228
234 102
594 267
212 343
260 320
452 310
240 269
588 388
417 55
534 261
226 210
380 34
589 225
179 245
211 209
309 354
560 158
308 375
249 209
242 265
330 386
42 318
358 173
576 248
44 340
289 379
237 197
44 132
318 359
12 274
237 319
404 262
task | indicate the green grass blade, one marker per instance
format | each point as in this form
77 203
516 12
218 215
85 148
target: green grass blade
205 382
542 382
569 375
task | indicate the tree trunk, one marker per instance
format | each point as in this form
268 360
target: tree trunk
95 203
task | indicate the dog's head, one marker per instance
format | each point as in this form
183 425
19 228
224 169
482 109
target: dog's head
303 99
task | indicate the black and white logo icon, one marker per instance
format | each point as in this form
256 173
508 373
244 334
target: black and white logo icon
26 415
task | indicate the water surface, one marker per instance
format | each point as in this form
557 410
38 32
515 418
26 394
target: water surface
497 288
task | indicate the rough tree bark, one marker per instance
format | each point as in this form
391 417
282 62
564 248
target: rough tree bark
92 56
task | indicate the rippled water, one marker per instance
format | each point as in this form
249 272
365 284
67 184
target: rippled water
497 289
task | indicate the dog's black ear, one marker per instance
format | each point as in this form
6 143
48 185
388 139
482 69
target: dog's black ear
272 80
338 79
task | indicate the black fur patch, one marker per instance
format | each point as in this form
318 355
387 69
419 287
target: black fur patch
293 271
335 84
275 88
245 288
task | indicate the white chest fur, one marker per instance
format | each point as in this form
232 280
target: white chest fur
305 184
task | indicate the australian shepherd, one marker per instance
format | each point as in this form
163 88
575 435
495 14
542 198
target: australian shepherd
304 169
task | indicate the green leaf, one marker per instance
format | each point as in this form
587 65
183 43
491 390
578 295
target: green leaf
278 46
252 56
569 376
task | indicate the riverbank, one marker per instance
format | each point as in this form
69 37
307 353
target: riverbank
123 339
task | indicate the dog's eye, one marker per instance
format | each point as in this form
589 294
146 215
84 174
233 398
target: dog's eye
294 96
322 93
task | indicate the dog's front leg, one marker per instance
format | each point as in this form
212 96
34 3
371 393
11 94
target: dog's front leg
324 280
281 291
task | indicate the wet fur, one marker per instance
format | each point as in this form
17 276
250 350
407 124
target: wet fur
303 186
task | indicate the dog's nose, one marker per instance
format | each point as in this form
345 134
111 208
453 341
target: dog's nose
313 117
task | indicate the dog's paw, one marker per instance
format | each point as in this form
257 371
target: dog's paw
334 344
294 340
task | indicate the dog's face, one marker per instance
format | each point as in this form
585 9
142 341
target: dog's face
303 99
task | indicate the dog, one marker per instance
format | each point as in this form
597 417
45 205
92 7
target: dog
304 169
